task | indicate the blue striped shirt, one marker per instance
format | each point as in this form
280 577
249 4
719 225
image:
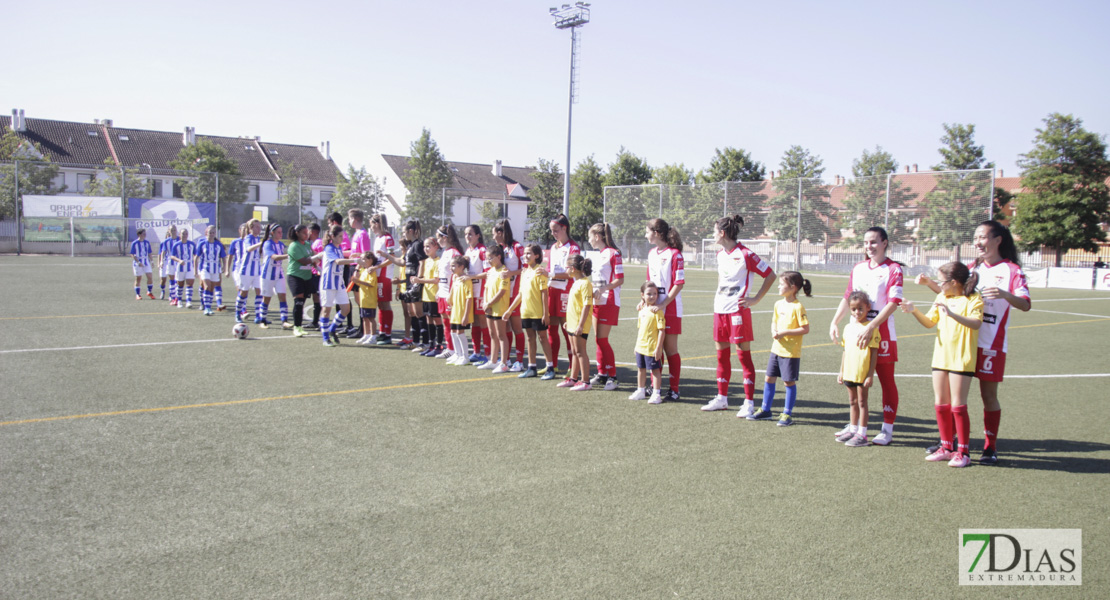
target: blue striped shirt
185 251
165 249
140 249
331 274
234 249
248 261
270 269
210 254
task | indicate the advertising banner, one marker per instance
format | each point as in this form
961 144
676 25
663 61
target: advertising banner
1070 278
234 215
1102 280
157 215
72 206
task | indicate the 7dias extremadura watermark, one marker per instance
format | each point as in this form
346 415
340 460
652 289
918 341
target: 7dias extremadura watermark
1021 557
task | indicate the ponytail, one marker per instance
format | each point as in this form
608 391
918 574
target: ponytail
795 280
958 272
448 231
665 231
605 232
730 226
1006 248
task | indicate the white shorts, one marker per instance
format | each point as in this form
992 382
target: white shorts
207 276
138 269
247 282
332 297
235 277
185 272
167 270
272 287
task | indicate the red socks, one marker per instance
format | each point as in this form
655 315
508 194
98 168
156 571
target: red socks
520 347
386 322
944 424
606 359
553 339
748 368
724 371
990 428
477 338
885 371
486 341
963 428
674 366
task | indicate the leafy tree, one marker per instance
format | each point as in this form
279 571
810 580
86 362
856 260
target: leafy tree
630 208
865 203
291 191
425 181
732 164
546 200
490 211
729 185
958 203
358 189
120 182
204 162
587 189
1066 199
685 205
36 172
801 173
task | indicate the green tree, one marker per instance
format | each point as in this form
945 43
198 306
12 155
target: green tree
959 202
730 185
732 164
291 190
865 202
204 162
629 208
425 181
546 201
36 172
120 182
357 189
685 205
1066 199
587 188
801 173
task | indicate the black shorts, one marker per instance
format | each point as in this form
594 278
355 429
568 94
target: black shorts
964 373
459 327
300 287
431 309
490 317
536 324
368 313
314 283
852 384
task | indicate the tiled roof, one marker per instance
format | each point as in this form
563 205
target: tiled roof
65 141
314 168
155 148
473 176
246 152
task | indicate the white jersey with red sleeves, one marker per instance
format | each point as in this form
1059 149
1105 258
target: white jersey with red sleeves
560 254
883 285
736 272
514 258
479 263
1008 277
666 269
446 272
384 243
609 266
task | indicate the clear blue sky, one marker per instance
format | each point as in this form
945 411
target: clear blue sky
669 81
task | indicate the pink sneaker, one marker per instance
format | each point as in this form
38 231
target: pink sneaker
583 386
566 383
940 455
959 460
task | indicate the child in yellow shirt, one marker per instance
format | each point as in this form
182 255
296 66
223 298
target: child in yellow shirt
462 308
532 301
367 282
580 304
857 370
496 299
788 324
651 327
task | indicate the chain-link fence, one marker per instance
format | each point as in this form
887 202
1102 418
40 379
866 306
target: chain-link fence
809 224
463 207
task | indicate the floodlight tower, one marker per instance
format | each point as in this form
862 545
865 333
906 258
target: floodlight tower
570 17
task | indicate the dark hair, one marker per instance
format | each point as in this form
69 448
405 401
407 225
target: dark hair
461 260
379 218
660 227
356 214
496 250
645 285
314 227
884 237
414 225
1006 248
140 231
562 219
958 272
335 218
335 232
405 244
537 252
448 231
295 232
370 257
581 263
478 232
605 232
730 226
859 296
795 279
506 230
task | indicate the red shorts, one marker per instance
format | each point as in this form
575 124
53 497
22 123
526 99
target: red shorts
444 308
674 325
479 306
607 315
385 290
990 365
888 352
556 302
733 328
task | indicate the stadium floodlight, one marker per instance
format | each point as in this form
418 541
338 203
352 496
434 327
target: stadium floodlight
570 17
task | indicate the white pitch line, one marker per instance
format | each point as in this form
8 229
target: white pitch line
24 350
1058 312
905 375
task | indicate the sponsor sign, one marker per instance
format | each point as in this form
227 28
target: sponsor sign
78 207
1070 278
1102 279
157 215
1021 556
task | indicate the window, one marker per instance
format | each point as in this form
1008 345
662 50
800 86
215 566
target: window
325 198
93 134
59 182
306 196
124 138
177 192
83 181
252 193
157 188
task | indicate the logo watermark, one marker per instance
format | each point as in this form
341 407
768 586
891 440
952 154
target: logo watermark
1021 557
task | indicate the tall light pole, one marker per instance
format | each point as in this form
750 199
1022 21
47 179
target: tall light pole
570 17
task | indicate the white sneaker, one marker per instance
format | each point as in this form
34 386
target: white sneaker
610 384
419 348
639 394
719 402
516 368
882 439
447 353
847 429
655 398
746 411
188 305
500 368
460 361
487 366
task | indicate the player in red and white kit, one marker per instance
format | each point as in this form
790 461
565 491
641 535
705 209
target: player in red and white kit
514 264
737 267
881 278
384 248
479 264
666 270
608 276
558 286
1003 286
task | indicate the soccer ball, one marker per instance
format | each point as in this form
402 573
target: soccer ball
240 331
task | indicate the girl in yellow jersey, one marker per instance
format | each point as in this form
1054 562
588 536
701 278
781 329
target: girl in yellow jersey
957 313
496 300
462 308
857 369
532 301
788 324
429 277
580 306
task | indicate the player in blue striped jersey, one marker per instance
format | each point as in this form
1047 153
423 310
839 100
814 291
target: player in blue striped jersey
166 268
140 263
210 260
332 290
247 268
184 251
273 275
